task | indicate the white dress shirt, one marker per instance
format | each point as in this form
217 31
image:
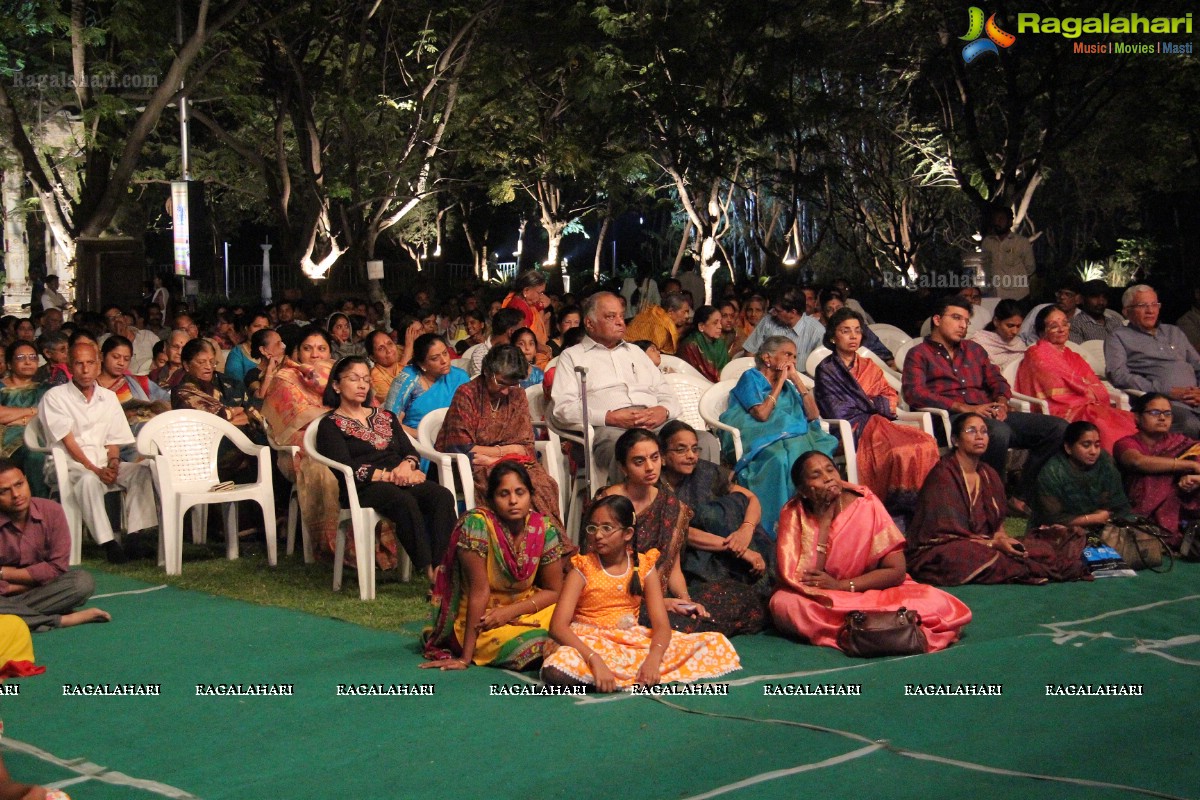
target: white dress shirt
96 423
617 378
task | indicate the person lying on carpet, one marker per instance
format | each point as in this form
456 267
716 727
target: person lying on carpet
839 551
957 532
595 622
496 589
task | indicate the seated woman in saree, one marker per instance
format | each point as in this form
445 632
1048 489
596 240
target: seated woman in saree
141 398
832 302
957 534
428 383
19 398
1081 485
1052 372
729 561
705 348
495 592
386 466
775 412
293 396
596 622
839 551
489 421
269 354
1162 469
1001 338
893 460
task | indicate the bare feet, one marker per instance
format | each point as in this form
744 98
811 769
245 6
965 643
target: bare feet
83 617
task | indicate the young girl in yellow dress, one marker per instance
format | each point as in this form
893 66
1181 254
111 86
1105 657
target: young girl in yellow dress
595 622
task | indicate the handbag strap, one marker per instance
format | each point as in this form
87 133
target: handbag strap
1151 528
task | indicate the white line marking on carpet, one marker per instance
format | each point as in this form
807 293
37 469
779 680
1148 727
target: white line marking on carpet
131 591
97 772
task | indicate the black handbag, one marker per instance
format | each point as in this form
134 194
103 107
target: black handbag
867 634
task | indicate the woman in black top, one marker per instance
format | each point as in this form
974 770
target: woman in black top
386 466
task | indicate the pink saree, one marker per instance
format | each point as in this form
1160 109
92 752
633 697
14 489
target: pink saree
1068 384
860 536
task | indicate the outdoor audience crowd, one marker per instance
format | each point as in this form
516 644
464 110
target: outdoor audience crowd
721 433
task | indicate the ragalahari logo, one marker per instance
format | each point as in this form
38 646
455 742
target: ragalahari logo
995 37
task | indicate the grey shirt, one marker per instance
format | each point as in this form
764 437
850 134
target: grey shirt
1151 362
1085 329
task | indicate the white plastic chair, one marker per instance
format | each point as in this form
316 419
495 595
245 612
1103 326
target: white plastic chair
689 389
891 336
183 444
585 480
901 353
716 400
295 520
1010 374
549 450
734 369
461 363
362 519
35 441
675 365
1092 351
448 464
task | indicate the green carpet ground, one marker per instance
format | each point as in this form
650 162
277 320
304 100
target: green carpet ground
466 743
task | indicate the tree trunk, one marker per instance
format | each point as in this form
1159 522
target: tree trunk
601 238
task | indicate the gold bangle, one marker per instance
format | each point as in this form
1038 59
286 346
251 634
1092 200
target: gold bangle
852 589
535 605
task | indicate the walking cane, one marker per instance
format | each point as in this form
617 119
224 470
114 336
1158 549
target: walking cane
587 453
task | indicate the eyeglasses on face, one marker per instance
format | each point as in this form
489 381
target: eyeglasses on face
682 451
1159 413
976 431
1147 306
600 530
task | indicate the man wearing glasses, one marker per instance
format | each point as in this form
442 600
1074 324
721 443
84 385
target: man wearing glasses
1150 357
947 371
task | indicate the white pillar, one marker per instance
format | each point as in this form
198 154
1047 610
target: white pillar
17 291
266 273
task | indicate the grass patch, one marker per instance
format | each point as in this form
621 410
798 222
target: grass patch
290 584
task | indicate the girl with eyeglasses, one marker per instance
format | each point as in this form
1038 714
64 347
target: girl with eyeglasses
596 619
957 532
1162 469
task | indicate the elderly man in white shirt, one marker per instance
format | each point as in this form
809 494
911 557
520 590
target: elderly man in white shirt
89 422
625 389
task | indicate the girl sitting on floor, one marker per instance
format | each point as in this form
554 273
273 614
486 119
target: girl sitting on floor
595 621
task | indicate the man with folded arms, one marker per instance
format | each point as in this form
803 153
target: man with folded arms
35 548
88 421
625 389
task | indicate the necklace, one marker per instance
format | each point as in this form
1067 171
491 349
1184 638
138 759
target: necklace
624 572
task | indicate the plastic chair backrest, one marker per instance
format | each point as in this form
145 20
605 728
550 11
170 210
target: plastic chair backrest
679 366
184 443
689 389
734 369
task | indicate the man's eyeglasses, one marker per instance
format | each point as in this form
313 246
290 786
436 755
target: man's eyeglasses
1147 306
